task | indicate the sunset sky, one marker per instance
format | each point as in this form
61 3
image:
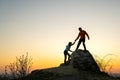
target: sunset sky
44 27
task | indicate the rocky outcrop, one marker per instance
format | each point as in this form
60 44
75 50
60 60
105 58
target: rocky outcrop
85 68
83 60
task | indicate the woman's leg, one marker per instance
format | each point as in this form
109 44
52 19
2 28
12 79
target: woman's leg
65 56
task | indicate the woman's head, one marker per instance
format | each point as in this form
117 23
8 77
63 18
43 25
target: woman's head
70 43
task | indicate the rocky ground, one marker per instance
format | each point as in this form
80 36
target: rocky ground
67 73
82 66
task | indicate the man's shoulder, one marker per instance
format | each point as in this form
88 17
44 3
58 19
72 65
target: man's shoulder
83 31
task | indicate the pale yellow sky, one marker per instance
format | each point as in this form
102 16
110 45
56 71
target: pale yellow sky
44 27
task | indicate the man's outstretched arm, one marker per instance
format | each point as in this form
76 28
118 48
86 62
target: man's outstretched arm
77 37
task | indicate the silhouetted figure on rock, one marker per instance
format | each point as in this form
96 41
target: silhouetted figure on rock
81 34
66 52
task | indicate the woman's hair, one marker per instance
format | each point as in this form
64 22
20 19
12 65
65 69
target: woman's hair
70 43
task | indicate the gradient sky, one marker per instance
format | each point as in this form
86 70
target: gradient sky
44 27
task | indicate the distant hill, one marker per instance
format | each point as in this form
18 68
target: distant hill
115 74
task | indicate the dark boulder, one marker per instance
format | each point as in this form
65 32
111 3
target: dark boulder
83 60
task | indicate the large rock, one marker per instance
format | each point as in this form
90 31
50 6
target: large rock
83 60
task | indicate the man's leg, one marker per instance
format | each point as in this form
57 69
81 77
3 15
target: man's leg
78 45
84 45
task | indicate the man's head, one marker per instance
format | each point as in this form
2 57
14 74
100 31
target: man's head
80 29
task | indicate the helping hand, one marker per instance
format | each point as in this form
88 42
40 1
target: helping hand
74 42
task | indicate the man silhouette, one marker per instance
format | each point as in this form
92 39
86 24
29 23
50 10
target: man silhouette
81 34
